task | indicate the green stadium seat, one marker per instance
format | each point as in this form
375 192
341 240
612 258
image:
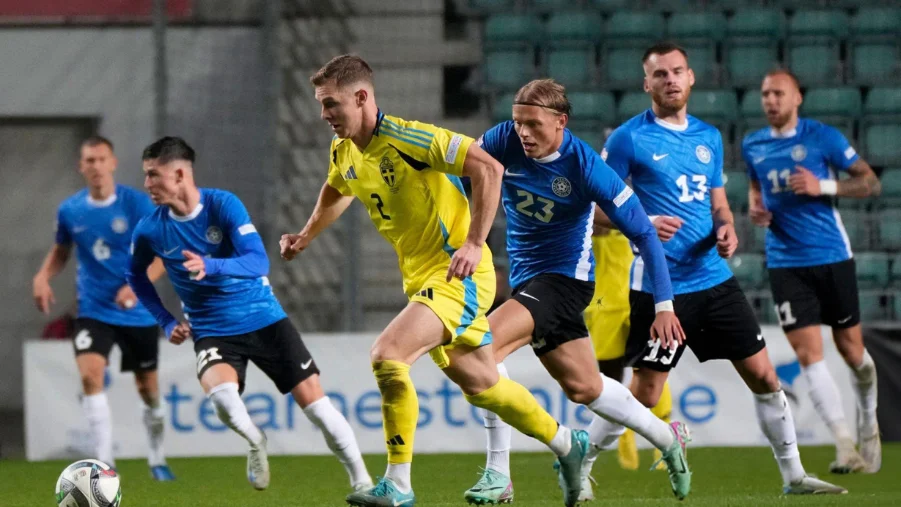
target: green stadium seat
883 144
872 269
549 5
891 188
751 112
708 26
875 21
757 23
896 306
747 64
874 63
622 67
702 60
491 5
857 226
890 229
574 26
765 308
883 102
593 106
895 278
502 107
736 184
632 104
509 68
749 269
634 27
512 28
595 138
871 309
572 67
716 107
818 23
815 63
612 5
831 102
759 236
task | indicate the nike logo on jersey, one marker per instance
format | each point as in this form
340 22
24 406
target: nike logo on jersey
170 252
758 160
79 229
657 157
509 173
846 319
305 365
760 337
529 296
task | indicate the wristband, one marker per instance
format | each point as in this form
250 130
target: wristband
828 187
664 306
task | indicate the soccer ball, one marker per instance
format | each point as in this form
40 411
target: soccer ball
88 483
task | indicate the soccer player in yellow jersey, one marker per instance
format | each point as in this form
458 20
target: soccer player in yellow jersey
407 174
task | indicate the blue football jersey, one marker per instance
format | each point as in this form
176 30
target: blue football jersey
805 230
101 232
218 304
673 167
549 204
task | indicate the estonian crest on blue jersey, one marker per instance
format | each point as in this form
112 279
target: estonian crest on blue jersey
387 169
799 152
561 186
214 235
703 154
119 225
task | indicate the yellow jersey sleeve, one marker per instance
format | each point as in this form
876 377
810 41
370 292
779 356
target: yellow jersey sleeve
442 149
335 178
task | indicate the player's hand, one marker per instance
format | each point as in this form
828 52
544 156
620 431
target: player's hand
803 182
194 265
465 261
759 215
126 298
726 240
292 244
667 227
180 333
43 295
668 330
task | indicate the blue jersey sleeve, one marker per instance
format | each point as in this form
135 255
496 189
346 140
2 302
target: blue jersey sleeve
494 140
251 260
63 236
141 257
716 181
620 204
839 152
752 174
619 151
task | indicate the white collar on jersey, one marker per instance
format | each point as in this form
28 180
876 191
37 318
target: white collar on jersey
672 126
783 135
190 216
104 203
548 159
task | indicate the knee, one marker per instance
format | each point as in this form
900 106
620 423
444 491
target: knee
808 355
379 352
648 393
579 392
92 380
764 381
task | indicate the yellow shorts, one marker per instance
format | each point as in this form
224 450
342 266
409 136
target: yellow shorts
609 330
461 305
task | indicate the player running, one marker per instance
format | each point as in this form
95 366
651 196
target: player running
98 221
812 273
551 183
676 164
407 174
218 266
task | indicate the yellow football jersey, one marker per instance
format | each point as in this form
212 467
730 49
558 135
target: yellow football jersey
408 177
607 317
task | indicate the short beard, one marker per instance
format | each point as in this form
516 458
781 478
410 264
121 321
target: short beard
671 106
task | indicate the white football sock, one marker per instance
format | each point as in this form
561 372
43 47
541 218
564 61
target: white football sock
617 404
826 399
864 383
97 412
400 475
775 419
499 436
603 435
562 442
339 437
233 413
155 423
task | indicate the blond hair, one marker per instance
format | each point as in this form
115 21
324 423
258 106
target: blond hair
545 93
343 70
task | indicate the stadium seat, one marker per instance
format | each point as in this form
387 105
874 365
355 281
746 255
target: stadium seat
736 184
503 29
593 106
831 102
747 64
509 68
883 102
871 309
716 107
574 26
896 306
857 226
702 60
622 68
749 269
874 63
706 26
491 5
872 269
815 63
759 236
612 5
595 138
891 188
883 144
572 67
549 5
875 21
502 107
895 277
757 23
634 27
765 308
890 229
831 24
632 104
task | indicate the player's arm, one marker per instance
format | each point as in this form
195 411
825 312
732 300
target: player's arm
141 257
666 226
863 182
840 155
723 220
54 262
330 205
486 174
250 260
756 209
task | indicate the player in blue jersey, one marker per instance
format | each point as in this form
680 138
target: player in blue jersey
675 162
218 266
792 169
551 182
98 221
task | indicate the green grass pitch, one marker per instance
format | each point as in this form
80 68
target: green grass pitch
723 477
